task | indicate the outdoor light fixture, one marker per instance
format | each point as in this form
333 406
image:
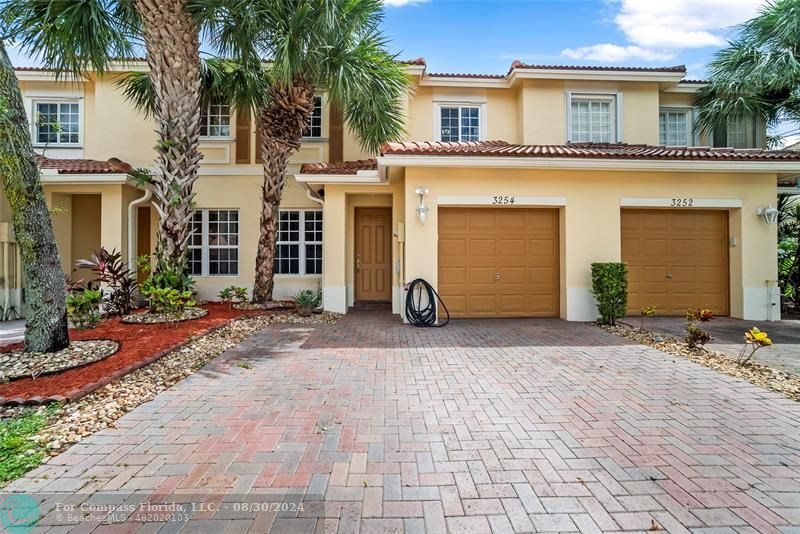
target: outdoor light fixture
769 214
422 209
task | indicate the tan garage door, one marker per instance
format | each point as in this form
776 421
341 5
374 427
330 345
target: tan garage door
677 259
499 262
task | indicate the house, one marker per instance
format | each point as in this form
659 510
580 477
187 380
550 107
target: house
507 189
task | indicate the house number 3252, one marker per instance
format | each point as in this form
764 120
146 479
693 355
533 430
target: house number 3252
682 202
503 200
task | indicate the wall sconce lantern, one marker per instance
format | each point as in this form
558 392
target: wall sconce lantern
422 209
769 214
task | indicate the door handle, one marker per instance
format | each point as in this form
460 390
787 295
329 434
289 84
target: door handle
496 277
669 275
358 263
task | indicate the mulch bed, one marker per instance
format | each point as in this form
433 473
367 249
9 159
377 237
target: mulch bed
140 344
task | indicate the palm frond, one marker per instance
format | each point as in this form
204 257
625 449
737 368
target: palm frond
71 36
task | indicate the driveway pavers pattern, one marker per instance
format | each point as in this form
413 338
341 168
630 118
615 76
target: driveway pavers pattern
482 426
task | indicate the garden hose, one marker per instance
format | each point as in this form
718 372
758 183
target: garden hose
415 312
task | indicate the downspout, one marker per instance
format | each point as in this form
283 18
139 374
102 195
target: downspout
133 224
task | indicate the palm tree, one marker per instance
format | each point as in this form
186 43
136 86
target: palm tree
75 37
46 327
313 46
758 74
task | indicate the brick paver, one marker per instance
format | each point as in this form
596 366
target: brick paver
482 426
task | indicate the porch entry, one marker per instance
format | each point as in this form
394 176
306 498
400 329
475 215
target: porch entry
373 254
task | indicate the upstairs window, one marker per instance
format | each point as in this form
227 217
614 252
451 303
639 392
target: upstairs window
460 123
314 128
674 127
214 243
593 119
739 132
57 123
299 244
215 121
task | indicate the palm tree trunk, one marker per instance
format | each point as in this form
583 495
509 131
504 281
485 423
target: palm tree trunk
173 55
45 287
281 124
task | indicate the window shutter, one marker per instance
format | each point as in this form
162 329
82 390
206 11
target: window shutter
336 136
243 136
259 159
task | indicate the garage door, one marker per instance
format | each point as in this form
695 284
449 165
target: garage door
677 259
499 262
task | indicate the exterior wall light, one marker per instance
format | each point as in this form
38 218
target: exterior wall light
769 214
422 209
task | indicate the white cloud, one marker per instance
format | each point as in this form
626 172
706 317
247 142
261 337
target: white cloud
398 3
614 53
657 29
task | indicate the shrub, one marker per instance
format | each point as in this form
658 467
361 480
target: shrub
696 336
166 290
83 308
306 300
610 289
168 301
233 294
110 270
702 315
647 312
754 339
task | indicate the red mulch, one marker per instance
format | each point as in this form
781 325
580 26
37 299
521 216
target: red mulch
139 344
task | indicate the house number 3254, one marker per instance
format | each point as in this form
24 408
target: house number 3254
503 200
682 202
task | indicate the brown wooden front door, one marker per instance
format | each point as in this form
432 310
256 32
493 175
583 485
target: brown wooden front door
373 250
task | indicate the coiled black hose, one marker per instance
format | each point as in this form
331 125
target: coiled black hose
415 312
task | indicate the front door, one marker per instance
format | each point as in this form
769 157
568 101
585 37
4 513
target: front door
373 261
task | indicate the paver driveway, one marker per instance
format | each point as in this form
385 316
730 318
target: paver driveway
512 425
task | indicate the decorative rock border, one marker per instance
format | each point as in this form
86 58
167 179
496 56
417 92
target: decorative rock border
786 384
17 364
160 318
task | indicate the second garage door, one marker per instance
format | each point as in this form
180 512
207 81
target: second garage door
499 262
677 259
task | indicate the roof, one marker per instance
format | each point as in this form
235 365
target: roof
586 150
520 65
343 167
85 166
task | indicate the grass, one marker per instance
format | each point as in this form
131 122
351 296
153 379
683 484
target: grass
18 452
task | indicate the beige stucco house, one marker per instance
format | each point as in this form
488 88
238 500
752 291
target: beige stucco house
508 188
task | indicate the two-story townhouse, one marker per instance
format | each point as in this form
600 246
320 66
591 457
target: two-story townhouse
508 188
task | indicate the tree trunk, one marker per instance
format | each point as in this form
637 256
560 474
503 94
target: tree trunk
173 55
45 283
281 124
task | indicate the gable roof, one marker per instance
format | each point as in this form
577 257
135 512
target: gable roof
342 167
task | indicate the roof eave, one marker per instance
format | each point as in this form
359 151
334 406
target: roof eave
360 177
108 178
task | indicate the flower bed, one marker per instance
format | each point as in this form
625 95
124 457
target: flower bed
139 344
756 373
18 364
188 314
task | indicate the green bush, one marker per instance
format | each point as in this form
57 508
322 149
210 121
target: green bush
610 290
233 294
168 301
306 300
83 308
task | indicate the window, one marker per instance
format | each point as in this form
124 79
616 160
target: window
460 123
593 119
57 123
216 121
314 128
737 133
674 127
299 245
214 243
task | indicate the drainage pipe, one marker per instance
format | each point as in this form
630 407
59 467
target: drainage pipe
133 227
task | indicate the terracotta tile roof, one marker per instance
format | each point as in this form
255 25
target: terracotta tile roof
343 167
694 81
85 166
420 61
586 150
465 75
521 65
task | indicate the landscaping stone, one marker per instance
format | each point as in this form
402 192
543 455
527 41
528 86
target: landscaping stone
154 318
786 384
20 364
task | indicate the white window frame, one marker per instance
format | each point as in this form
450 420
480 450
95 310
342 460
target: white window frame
689 112
206 117
437 117
301 244
616 111
35 121
747 124
205 247
321 135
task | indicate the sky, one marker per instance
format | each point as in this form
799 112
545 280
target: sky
485 36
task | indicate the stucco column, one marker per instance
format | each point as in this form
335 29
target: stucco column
112 227
334 285
759 262
591 233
